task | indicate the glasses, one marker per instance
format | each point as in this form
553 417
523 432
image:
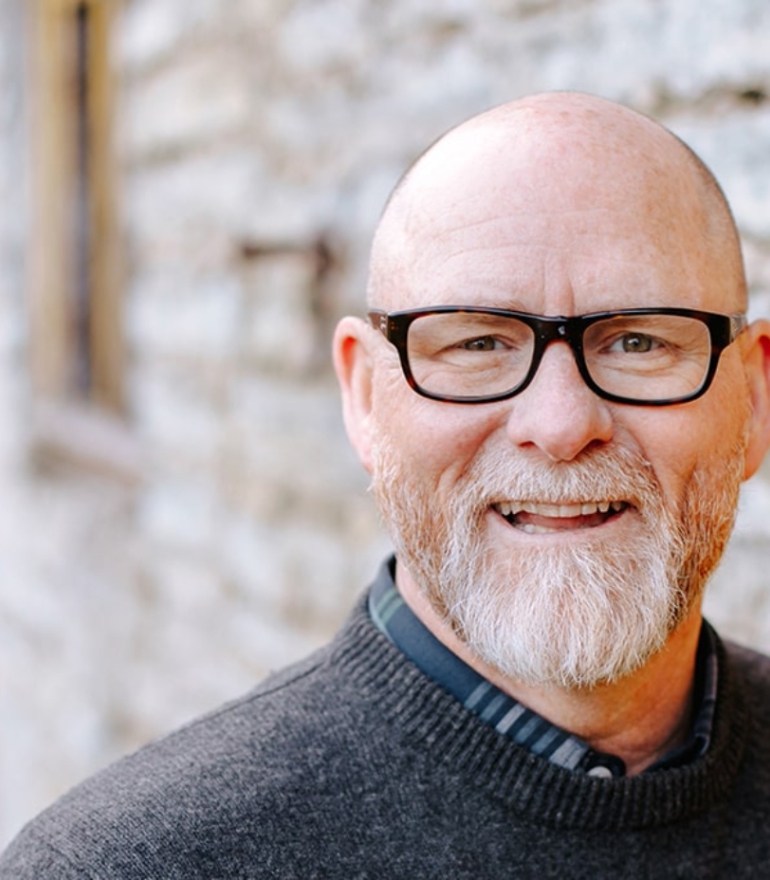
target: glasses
651 357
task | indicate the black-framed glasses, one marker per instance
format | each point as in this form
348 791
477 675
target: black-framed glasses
650 357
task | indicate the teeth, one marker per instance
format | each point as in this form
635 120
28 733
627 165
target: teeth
563 511
534 530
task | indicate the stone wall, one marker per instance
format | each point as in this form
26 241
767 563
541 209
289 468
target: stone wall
257 142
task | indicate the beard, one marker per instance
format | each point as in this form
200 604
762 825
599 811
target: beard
571 615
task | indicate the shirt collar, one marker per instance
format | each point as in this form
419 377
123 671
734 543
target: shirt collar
395 619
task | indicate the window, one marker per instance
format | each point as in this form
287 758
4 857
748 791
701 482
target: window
76 344
75 341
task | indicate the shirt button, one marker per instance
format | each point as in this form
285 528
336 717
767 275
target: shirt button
603 772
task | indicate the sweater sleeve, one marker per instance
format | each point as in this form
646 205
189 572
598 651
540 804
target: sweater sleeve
31 857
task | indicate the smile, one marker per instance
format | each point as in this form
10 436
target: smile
537 519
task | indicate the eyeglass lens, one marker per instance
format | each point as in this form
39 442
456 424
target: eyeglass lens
639 357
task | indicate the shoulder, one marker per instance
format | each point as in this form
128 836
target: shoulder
221 785
751 670
750 664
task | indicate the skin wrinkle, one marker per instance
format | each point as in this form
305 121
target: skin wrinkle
560 205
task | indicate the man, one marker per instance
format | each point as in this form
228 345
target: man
557 395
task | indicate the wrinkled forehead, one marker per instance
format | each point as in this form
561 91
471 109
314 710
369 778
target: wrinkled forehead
575 194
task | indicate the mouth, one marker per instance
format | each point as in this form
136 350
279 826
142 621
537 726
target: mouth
535 518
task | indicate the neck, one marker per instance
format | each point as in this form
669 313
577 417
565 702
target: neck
638 718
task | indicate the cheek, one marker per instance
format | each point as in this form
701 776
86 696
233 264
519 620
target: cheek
436 441
701 437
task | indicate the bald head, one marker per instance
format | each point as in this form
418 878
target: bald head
548 157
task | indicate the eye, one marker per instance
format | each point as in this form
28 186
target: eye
635 343
482 343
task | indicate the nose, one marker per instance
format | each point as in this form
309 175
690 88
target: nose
558 413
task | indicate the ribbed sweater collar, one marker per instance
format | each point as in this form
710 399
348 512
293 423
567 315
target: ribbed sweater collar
431 721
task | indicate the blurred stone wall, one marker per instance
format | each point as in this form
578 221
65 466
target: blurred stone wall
258 140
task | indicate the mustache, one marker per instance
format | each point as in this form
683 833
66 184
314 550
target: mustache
613 474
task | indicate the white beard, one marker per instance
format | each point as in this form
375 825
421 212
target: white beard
573 616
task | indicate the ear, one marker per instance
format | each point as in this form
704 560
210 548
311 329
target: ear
756 358
353 363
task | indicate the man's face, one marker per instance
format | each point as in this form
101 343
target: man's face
604 587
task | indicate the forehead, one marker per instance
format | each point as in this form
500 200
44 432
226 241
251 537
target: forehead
579 263
558 228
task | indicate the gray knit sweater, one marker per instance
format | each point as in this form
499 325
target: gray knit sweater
353 764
